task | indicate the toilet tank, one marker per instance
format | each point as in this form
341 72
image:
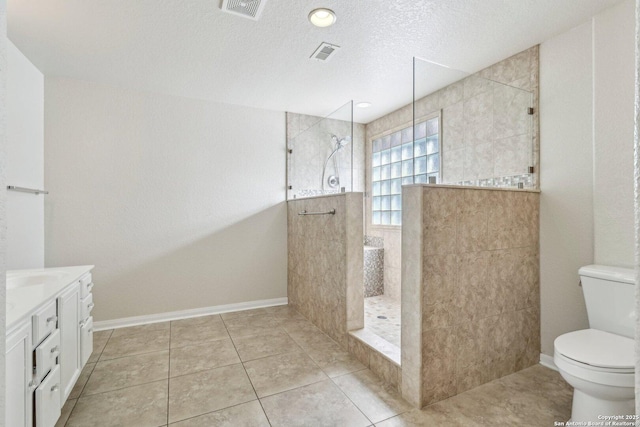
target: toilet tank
609 294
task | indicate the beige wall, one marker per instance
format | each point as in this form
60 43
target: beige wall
326 264
586 212
475 268
179 203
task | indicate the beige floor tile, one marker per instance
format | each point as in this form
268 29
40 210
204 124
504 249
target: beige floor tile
284 312
486 407
267 344
140 406
426 418
319 404
208 355
377 401
244 313
275 374
311 339
244 415
131 345
207 391
82 381
141 329
197 334
128 371
333 360
250 325
65 412
193 321
100 339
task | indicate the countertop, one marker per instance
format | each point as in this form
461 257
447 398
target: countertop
24 300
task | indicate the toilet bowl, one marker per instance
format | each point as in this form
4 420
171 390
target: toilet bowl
599 362
600 367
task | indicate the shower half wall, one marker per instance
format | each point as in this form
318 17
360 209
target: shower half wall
470 288
325 262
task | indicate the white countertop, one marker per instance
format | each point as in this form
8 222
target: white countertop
22 301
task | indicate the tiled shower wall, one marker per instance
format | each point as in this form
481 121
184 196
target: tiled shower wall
472 255
310 139
478 136
325 281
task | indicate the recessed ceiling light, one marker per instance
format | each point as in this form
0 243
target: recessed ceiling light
363 104
322 17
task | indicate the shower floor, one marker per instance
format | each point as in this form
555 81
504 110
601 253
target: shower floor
387 327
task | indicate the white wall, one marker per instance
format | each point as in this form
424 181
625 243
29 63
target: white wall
586 137
613 97
566 199
3 193
25 152
178 202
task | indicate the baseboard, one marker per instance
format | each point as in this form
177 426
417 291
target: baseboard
185 314
547 361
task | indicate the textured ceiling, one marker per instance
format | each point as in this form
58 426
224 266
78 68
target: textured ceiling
191 48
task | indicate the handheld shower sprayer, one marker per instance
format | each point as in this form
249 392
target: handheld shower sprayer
339 142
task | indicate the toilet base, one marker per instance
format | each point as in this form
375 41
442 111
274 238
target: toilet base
588 408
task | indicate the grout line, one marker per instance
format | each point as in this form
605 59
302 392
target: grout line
248 377
121 388
71 411
213 412
352 402
88 378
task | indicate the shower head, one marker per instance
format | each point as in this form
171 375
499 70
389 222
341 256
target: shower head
340 142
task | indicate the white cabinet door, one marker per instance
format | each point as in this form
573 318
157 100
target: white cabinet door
69 359
19 369
48 399
86 340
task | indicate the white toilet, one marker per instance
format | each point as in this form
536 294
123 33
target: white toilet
599 362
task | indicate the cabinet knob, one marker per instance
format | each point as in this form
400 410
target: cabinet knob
90 306
54 349
52 319
55 387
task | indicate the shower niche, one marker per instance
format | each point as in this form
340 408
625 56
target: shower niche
324 154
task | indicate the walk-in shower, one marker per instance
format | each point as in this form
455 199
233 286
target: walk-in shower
333 181
325 154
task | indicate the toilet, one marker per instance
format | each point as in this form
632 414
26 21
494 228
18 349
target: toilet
599 362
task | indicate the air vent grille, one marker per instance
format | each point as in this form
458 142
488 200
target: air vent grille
324 51
247 8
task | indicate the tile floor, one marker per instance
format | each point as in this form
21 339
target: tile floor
388 328
272 367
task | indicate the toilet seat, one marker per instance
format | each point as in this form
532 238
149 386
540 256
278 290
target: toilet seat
597 348
596 356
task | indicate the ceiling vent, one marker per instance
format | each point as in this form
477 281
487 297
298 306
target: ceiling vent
324 51
247 8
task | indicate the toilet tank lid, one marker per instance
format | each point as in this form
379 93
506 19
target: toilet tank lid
597 348
605 272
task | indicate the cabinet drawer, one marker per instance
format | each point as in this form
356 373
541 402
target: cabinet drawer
86 340
86 284
45 321
48 400
87 306
47 354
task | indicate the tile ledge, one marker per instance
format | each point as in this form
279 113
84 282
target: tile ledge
387 350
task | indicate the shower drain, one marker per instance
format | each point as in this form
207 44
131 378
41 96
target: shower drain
382 317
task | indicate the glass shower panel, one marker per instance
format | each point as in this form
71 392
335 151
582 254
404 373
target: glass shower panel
320 157
484 132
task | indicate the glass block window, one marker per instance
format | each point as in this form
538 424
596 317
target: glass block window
399 159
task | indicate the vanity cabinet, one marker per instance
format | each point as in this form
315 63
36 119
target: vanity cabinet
70 366
45 353
19 368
